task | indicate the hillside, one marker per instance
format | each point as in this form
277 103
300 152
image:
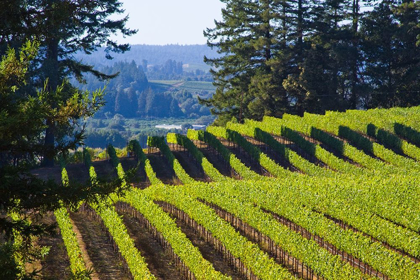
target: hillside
318 197
154 54
145 90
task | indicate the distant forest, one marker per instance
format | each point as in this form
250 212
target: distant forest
154 83
153 54
132 94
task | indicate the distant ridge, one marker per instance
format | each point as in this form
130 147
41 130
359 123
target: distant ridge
154 54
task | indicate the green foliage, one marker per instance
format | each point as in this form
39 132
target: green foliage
113 222
346 126
244 171
64 107
40 113
134 146
113 155
311 56
278 128
288 202
21 117
381 206
247 79
159 142
391 36
77 265
256 130
253 151
182 246
305 126
64 28
408 133
183 140
22 124
295 244
249 253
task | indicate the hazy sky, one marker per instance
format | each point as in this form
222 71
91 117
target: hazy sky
162 22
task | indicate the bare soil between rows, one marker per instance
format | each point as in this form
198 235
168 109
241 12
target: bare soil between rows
105 259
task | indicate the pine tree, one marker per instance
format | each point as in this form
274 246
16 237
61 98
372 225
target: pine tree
323 60
64 28
144 65
132 102
408 53
392 55
248 38
22 121
150 105
141 103
354 55
121 102
296 27
379 47
306 55
266 84
175 111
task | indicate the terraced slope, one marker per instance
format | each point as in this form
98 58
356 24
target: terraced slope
313 197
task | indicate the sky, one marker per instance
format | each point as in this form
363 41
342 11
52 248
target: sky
163 22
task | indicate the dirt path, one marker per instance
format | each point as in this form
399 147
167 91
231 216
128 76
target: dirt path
56 265
85 255
177 85
105 260
159 261
208 251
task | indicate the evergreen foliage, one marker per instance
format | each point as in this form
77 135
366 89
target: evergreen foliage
63 28
23 196
296 56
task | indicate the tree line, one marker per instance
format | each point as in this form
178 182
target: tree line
42 113
299 56
131 95
153 54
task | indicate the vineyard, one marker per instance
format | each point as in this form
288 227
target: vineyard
331 196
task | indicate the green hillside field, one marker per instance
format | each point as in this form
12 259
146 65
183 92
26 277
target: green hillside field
331 196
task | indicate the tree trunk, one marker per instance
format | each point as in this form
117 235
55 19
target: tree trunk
52 71
355 55
48 160
300 27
